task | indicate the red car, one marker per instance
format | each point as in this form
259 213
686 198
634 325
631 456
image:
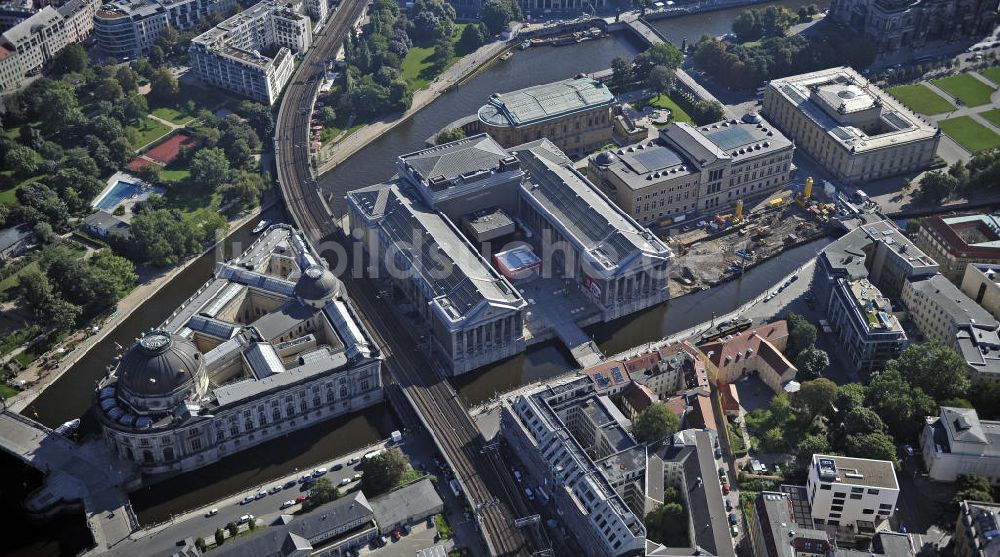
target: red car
725 489
301 498
395 535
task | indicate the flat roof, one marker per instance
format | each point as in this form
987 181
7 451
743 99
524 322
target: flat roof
873 306
810 91
462 158
545 102
859 471
951 301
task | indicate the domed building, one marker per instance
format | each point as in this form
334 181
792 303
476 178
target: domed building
269 345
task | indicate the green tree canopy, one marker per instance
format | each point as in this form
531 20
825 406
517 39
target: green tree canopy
245 188
812 361
862 420
473 37
809 445
900 405
801 334
660 80
496 14
162 237
814 397
622 74
973 488
877 445
322 491
654 423
668 524
933 367
383 472
163 86
449 135
210 168
72 58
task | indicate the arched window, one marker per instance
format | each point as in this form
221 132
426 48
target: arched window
147 456
168 453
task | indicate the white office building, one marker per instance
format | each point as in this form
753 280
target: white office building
231 56
957 442
854 493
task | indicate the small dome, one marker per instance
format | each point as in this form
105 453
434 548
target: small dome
604 159
158 364
317 284
847 94
751 118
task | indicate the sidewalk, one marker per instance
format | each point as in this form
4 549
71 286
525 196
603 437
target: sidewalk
333 154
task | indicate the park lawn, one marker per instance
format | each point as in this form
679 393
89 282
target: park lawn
970 134
176 175
172 115
919 98
6 391
992 74
9 195
418 68
149 131
992 116
966 88
664 101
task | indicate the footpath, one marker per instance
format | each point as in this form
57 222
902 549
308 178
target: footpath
39 379
333 154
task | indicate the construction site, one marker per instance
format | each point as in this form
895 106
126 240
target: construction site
720 248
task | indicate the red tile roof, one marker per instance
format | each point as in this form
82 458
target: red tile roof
749 339
730 398
608 377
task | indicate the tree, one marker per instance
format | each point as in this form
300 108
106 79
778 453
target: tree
329 117
936 186
801 334
815 396
233 529
985 398
973 488
383 472
210 168
220 536
705 112
43 231
660 80
72 58
876 445
621 73
773 441
812 361
900 405
128 78
109 90
497 14
163 85
31 137
22 161
199 542
661 54
57 106
668 524
161 237
449 135
654 423
118 271
862 420
473 37
245 188
259 116
810 445
143 67
934 368
322 491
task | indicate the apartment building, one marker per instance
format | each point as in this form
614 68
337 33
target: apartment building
981 283
857 493
577 443
79 16
955 242
908 25
128 28
773 531
977 530
957 442
230 55
689 171
37 40
864 323
574 114
854 129
756 351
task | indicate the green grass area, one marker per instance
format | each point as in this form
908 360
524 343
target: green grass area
149 131
919 98
172 115
970 134
443 528
992 116
6 391
992 74
175 175
966 88
418 68
663 101
17 338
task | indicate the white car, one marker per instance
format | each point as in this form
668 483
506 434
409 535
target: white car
345 481
517 475
247 499
319 472
212 512
288 503
353 460
246 518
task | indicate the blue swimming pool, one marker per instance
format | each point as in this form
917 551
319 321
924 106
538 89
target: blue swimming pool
118 193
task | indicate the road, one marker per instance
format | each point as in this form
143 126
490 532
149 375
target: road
196 522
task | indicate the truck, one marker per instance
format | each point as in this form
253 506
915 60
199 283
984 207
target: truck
860 196
455 488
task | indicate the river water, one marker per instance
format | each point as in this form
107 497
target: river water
69 397
718 23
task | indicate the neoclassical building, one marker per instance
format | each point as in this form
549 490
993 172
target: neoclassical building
271 344
906 24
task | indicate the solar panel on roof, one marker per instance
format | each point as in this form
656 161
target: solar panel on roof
657 159
728 139
617 373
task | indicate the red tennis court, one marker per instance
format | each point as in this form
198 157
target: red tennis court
166 152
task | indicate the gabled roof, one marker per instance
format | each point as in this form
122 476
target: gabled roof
963 424
717 351
454 159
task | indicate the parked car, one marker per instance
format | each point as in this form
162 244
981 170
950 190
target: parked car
345 481
337 466
356 477
732 518
212 512
288 503
396 535
247 499
246 518
261 494
529 493
353 460
729 505
289 484
722 472
319 472
517 474
274 489
301 498
725 489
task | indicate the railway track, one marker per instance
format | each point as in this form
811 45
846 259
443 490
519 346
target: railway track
431 396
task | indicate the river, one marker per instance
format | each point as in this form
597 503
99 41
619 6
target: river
70 396
717 23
